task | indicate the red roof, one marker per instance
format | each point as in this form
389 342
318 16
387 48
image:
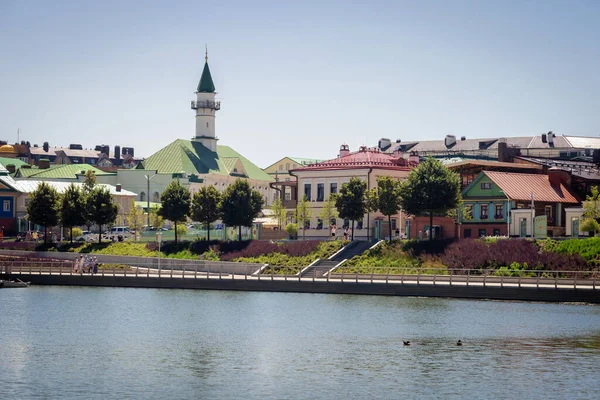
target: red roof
362 159
520 187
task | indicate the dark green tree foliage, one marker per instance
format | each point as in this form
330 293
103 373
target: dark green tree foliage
206 206
43 207
351 202
73 208
241 205
388 198
430 188
175 204
102 209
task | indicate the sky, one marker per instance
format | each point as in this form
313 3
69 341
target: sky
297 79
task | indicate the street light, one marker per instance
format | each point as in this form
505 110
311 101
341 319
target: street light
159 240
148 178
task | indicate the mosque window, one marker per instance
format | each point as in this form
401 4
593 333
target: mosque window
142 196
156 198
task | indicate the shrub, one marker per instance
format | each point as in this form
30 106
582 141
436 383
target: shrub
418 247
292 230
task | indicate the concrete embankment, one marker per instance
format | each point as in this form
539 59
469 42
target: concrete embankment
548 294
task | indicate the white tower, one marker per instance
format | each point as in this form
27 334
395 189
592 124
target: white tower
206 106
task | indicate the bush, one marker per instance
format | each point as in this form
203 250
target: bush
476 254
588 248
292 230
418 247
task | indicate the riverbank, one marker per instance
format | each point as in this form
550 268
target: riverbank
459 288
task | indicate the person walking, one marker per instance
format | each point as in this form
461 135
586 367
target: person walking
333 229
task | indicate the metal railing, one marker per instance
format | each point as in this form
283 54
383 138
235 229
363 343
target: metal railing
404 276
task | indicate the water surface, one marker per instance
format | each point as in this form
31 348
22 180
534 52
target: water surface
114 343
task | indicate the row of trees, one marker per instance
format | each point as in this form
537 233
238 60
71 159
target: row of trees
429 189
237 206
90 205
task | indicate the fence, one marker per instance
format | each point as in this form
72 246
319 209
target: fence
413 276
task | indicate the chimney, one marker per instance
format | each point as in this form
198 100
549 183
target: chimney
596 156
117 152
118 187
551 138
44 163
450 140
11 168
463 138
556 176
344 150
413 159
503 155
362 148
544 138
384 144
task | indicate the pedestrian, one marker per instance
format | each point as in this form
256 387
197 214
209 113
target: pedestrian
95 271
346 233
333 229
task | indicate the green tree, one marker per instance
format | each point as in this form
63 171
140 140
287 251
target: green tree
303 214
102 209
175 203
279 212
430 188
89 181
135 218
206 207
73 208
156 220
329 212
387 200
240 205
352 201
44 207
591 212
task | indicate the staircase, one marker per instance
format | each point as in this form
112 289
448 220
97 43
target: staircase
323 266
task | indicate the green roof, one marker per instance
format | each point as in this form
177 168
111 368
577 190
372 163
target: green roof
194 158
206 84
59 171
305 161
14 161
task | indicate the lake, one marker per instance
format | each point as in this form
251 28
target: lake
115 343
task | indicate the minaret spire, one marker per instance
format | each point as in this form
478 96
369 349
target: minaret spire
205 107
206 53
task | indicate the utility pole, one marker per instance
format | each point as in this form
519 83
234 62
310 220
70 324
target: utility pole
532 215
148 178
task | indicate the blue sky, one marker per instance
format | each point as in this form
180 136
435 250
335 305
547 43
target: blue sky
298 79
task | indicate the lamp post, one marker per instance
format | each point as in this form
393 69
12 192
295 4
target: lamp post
148 178
532 215
159 240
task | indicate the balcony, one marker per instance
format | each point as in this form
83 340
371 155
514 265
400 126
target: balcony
213 105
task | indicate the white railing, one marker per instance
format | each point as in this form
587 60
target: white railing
389 275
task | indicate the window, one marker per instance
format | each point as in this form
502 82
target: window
319 223
346 223
6 205
333 221
25 201
496 232
156 197
486 185
499 213
394 224
467 233
484 211
482 233
287 179
142 196
307 190
359 224
548 212
274 196
320 191
281 167
287 166
333 188
288 196
307 224
207 124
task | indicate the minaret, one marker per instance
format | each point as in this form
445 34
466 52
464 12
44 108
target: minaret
205 106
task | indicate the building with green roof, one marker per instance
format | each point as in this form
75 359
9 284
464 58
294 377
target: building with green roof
56 172
195 162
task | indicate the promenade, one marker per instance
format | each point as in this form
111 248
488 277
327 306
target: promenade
579 287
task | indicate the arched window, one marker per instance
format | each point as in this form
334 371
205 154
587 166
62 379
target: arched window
287 166
281 167
142 196
156 198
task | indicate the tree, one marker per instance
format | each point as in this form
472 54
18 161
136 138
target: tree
279 212
352 201
329 212
240 205
102 209
175 204
155 219
303 214
206 207
430 188
135 218
591 212
73 208
44 207
89 181
387 200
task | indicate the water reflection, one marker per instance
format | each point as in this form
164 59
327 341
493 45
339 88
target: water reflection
138 343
